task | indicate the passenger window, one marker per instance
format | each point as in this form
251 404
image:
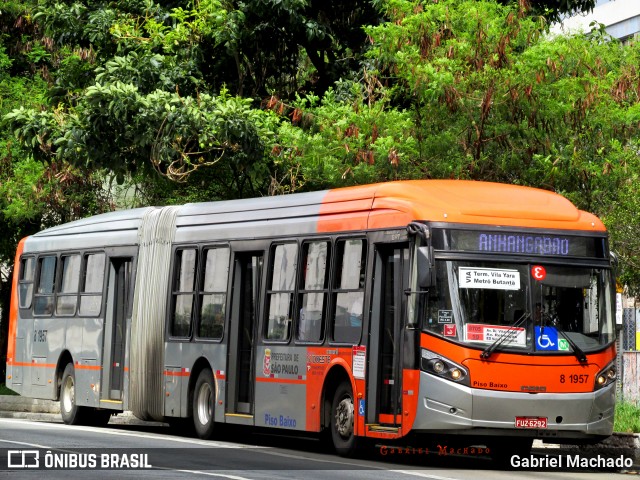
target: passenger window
313 291
183 294
67 299
92 283
27 274
43 299
348 290
213 294
280 295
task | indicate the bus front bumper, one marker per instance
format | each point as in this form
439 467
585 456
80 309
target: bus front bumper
447 407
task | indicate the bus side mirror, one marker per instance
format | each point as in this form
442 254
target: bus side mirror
426 273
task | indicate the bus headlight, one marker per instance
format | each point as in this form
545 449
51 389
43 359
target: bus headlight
606 376
443 367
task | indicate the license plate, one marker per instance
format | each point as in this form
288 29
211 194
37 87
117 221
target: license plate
531 422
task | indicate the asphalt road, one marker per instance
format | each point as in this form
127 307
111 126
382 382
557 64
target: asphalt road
243 456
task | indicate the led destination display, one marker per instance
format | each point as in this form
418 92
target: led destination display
519 243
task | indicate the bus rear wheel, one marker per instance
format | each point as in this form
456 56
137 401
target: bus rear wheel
342 421
71 413
203 404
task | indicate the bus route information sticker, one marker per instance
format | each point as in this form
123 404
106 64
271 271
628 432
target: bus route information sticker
479 332
359 354
489 278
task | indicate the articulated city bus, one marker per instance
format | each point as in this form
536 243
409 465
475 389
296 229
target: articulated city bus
477 310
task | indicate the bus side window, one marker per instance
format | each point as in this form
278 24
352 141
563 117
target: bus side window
43 301
92 282
313 289
67 299
27 274
348 290
213 293
280 295
183 293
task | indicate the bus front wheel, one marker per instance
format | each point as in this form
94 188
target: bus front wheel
71 413
203 404
342 421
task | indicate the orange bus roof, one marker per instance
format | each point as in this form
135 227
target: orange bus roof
391 204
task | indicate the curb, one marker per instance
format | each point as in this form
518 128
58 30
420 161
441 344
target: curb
16 403
16 406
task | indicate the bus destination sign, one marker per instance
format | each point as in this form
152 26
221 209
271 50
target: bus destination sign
522 243
519 243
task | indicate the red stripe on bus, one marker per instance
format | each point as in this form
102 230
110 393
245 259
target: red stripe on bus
88 367
167 373
280 380
31 364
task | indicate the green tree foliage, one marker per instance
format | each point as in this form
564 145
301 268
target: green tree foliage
33 194
485 94
228 99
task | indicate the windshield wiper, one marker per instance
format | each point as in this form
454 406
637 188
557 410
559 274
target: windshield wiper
486 353
577 351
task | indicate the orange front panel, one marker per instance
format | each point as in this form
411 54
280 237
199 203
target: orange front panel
524 373
532 378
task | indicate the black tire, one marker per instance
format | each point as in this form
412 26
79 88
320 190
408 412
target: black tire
71 413
204 397
342 421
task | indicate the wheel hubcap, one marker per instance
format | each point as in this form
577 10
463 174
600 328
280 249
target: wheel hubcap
344 417
205 398
68 394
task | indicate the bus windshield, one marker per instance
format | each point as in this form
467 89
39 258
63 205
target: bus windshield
520 306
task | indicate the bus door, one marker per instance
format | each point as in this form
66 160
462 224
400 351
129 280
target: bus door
384 386
247 279
117 320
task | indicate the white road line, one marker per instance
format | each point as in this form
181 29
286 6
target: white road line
34 445
417 473
211 474
154 436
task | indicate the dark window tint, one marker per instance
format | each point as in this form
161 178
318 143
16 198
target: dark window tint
92 283
67 299
43 301
348 290
313 290
27 274
280 296
183 294
213 293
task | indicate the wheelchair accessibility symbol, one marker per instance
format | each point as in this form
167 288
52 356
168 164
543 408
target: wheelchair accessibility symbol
546 338
361 408
545 342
